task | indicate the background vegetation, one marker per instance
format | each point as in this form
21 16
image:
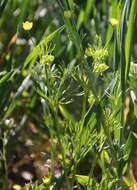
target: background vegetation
68 108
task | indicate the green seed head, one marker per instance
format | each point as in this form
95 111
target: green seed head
100 54
68 14
89 52
47 59
100 68
97 54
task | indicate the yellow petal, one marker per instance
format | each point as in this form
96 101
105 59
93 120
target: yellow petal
27 25
17 187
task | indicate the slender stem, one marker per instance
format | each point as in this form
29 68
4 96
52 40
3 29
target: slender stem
122 76
122 73
4 150
60 144
92 169
31 38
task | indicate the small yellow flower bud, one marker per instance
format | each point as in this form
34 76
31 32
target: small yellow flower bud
27 25
114 22
67 14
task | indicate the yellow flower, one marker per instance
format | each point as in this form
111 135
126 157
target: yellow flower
27 25
113 21
17 187
67 14
46 180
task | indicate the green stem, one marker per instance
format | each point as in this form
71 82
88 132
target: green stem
60 144
92 169
4 150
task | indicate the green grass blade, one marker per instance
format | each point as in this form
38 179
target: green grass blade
71 3
2 6
51 36
129 36
122 66
89 7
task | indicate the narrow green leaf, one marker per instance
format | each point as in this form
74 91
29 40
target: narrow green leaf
51 36
8 76
3 4
123 66
128 146
129 36
83 180
81 19
71 3
10 109
89 7
66 114
5 78
134 134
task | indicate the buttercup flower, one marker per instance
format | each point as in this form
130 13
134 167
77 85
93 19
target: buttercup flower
27 25
17 187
